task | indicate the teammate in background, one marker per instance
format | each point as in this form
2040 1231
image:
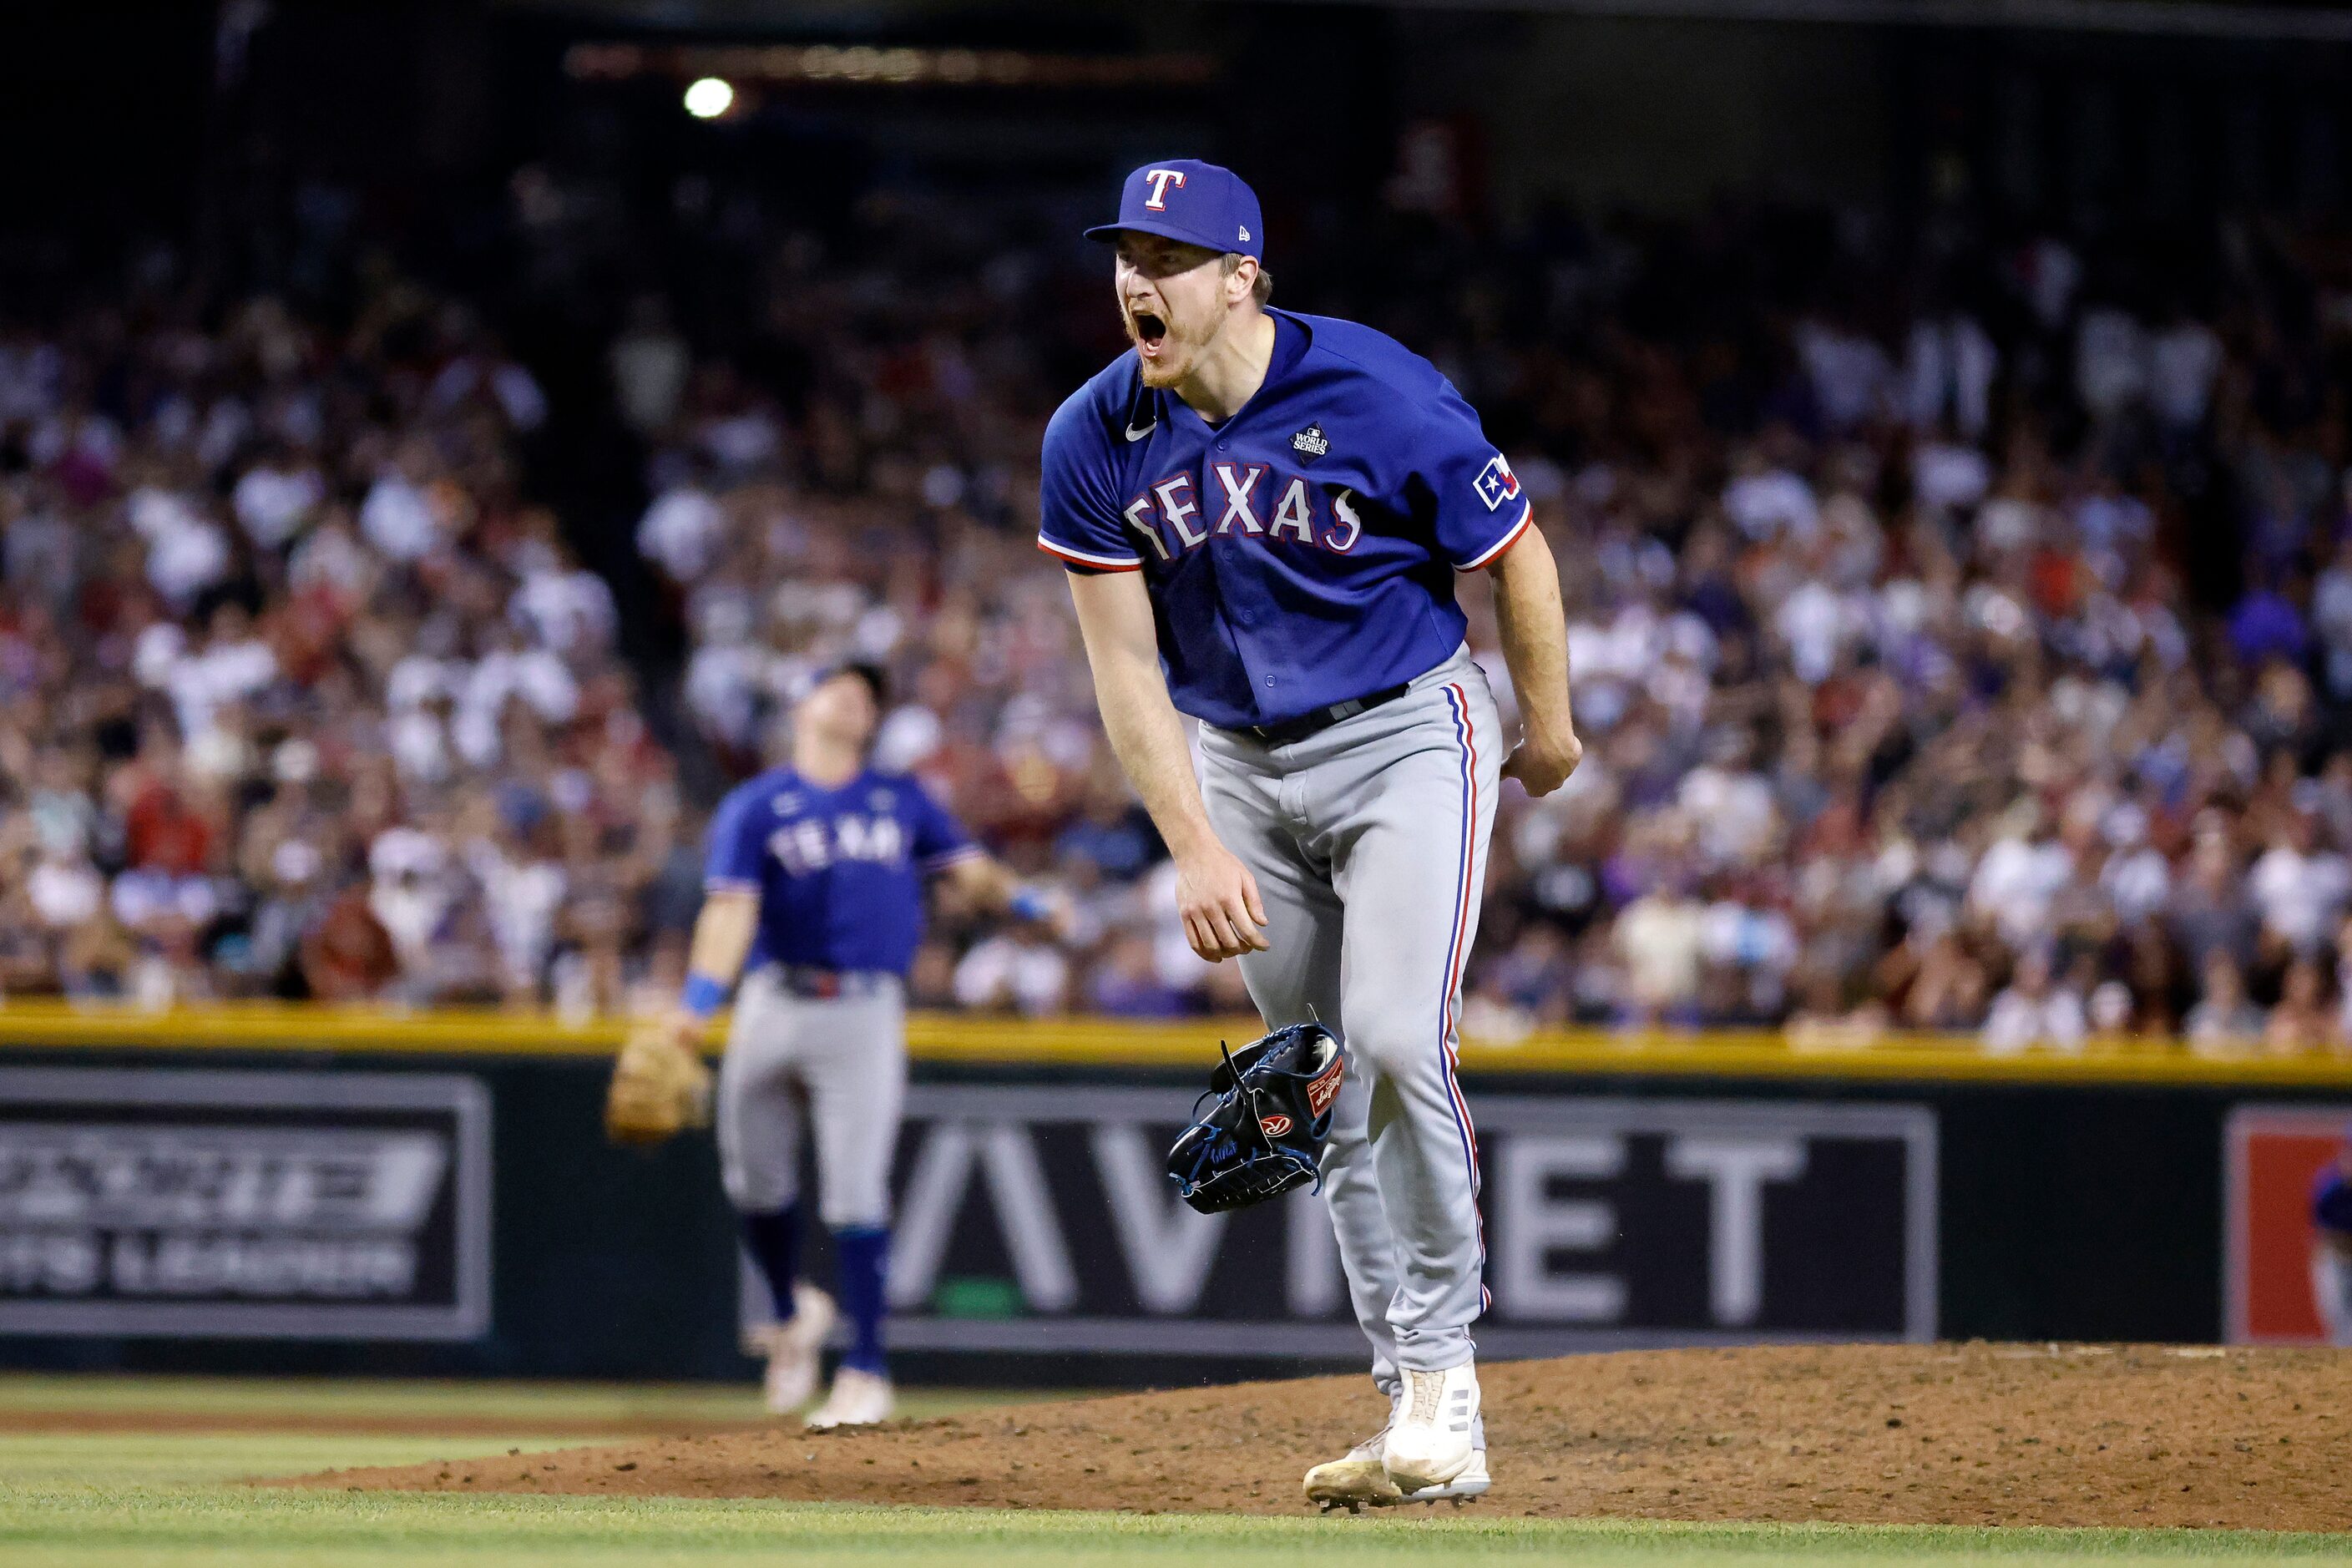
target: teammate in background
2331 1245
814 881
1262 514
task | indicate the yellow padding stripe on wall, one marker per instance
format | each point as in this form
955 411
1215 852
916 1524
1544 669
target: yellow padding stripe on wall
1107 1043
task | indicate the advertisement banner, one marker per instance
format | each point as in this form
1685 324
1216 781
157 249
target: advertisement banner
1040 1218
243 1205
2272 1156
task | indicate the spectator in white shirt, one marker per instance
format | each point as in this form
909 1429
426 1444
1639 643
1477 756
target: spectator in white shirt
272 503
567 609
2017 876
2034 1011
186 552
681 531
2299 887
397 519
1763 500
1016 970
520 893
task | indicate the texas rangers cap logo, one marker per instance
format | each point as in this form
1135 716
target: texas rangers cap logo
1185 199
1496 484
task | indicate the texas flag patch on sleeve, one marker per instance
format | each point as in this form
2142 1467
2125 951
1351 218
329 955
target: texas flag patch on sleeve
1497 483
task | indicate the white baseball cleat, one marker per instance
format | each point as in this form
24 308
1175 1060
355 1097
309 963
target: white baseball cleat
1435 1435
791 1349
1472 1482
859 1399
1358 1479
1362 1481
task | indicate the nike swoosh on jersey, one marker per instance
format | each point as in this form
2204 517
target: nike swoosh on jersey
1135 435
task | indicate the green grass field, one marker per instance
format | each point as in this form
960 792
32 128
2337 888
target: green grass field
105 1499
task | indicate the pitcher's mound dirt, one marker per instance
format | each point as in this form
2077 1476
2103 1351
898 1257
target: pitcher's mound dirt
1882 1433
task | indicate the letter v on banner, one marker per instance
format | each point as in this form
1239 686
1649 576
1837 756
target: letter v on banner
1025 1214
1169 1249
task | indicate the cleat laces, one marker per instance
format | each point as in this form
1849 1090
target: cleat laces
1428 1388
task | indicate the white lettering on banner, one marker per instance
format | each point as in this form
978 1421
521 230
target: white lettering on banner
1530 1223
1169 1248
266 1265
1310 1256
57 1263
1735 1170
162 1176
1025 1214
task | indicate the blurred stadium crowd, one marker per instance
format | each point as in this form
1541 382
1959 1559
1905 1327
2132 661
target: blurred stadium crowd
1961 642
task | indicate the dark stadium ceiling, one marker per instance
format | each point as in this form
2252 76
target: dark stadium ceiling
2307 19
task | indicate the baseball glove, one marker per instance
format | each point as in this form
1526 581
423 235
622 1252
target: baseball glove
659 1088
1266 1132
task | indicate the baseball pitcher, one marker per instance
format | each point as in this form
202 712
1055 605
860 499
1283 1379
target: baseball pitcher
1262 514
813 890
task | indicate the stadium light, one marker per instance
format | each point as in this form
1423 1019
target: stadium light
709 98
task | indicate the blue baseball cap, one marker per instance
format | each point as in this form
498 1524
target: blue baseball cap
1199 204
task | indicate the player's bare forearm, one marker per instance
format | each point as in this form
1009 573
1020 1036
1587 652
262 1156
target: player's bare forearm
1123 651
722 934
723 940
983 881
1535 645
987 883
1218 897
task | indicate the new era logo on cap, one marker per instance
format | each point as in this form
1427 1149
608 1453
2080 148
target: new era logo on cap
1184 199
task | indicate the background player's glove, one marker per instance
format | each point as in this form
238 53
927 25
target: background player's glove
1266 1132
659 1088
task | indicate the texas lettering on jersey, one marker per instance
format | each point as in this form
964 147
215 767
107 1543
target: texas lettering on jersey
815 844
1168 517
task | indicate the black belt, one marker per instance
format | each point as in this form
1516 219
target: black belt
815 985
1321 719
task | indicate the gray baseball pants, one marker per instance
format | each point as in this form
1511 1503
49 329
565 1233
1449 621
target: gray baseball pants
1369 844
847 1055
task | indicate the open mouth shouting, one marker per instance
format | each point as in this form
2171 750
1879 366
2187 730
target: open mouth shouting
1150 331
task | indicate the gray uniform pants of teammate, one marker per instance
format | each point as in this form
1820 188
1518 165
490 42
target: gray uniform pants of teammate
848 1055
1368 843
2331 1287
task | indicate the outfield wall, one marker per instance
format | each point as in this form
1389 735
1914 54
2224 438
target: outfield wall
256 1189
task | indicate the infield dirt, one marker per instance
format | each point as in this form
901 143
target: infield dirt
2131 1436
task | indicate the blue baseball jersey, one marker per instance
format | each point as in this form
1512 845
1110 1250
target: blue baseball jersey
839 871
1303 552
2331 1201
